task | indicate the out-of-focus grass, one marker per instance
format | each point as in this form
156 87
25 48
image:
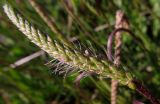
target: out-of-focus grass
35 83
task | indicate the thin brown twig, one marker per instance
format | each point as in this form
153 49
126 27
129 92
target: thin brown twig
101 27
138 86
27 59
121 22
110 40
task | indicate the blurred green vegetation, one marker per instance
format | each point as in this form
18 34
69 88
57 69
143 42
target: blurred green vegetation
35 83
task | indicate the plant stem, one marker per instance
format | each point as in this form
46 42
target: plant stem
121 22
81 24
145 92
49 21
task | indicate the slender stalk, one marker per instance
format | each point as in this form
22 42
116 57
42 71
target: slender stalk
27 59
138 86
80 23
69 18
118 42
121 22
42 12
145 92
110 40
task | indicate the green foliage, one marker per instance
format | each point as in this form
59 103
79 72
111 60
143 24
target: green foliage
33 83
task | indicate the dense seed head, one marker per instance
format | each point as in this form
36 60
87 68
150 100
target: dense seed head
64 54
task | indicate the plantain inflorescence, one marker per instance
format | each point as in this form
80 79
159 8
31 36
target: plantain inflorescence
68 55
